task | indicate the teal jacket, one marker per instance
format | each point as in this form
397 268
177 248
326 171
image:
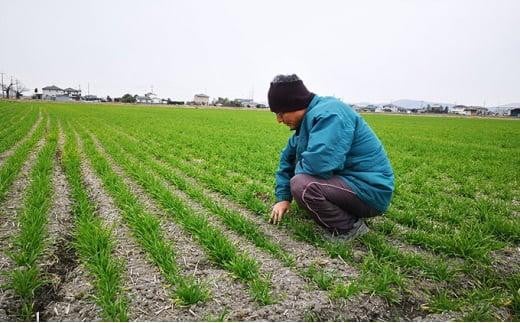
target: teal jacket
333 139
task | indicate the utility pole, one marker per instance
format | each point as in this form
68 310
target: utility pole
10 87
2 73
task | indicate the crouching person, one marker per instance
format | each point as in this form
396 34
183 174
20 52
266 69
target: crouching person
334 165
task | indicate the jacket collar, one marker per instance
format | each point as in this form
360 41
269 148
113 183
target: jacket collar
313 102
311 105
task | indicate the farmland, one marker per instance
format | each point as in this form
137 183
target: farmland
146 213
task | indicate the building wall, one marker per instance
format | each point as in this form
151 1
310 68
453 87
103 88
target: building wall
63 98
201 100
52 92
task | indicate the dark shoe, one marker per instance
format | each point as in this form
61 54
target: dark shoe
358 229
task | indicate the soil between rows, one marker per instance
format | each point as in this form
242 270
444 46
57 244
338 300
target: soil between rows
294 294
68 295
293 306
304 253
62 265
146 289
413 298
227 295
297 300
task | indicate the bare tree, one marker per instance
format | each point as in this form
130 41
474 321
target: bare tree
12 88
7 88
2 83
20 88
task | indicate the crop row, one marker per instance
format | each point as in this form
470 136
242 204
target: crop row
12 165
473 241
375 279
10 122
435 248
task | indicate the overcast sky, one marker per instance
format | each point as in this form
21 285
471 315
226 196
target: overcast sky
465 52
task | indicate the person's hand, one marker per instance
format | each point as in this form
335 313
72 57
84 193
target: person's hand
279 209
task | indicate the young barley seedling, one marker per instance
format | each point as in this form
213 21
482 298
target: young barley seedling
443 301
261 290
190 292
346 290
220 249
323 279
29 242
93 242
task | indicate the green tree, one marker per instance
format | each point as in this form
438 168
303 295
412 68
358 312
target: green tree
128 98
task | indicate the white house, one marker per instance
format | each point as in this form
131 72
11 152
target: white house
153 98
248 103
201 99
143 99
476 111
73 93
55 93
62 98
52 91
390 108
458 109
367 108
148 98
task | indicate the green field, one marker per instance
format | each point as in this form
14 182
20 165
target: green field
116 212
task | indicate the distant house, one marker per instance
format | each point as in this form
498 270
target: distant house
367 108
515 112
458 109
62 98
435 108
249 103
37 95
475 111
91 98
172 102
503 111
389 108
58 94
153 97
148 98
201 99
143 99
51 92
73 93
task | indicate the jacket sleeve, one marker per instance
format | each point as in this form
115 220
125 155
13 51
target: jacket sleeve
286 171
330 139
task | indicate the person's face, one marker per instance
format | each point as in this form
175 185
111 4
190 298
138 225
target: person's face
291 119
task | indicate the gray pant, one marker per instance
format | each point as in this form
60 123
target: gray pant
330 202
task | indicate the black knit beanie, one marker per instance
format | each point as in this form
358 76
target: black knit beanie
288 93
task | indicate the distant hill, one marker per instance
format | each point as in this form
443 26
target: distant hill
408 104
416 104
510 105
